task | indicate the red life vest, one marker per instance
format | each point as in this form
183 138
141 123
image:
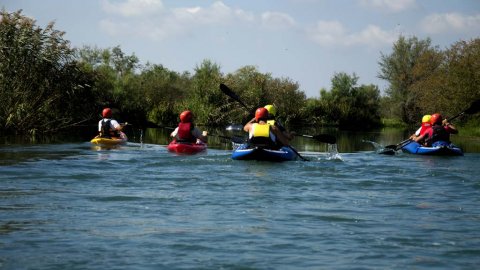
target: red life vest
184 133
424 128
437 133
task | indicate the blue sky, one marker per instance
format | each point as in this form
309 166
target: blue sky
307 41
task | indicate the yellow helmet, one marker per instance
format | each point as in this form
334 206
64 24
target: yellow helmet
426 118
271 109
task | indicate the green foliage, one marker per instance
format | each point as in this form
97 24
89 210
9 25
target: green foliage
45 86
204 97
288 100
425 80
42 89
258 89
460 73
159 92
350 106
411 61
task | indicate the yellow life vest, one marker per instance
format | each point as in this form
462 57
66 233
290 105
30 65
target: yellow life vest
260 130
271 122
261 135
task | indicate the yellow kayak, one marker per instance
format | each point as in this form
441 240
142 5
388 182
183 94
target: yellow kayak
110 141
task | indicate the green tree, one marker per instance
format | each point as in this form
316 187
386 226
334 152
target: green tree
448 80
164 91
411 61
288 100
204 98
350 106
258 89
250 85
462 68
42 89
116 80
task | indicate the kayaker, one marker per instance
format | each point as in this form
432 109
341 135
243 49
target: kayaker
440 130
272 112
108 127
260 133
187 131
423 128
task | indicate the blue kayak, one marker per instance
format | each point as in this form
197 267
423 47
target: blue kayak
440 148
247 152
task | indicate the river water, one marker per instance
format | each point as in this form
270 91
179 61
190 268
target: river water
71 206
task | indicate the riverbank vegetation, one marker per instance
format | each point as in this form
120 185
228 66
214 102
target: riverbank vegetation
47 86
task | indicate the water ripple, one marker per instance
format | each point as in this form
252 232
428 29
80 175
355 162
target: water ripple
69 206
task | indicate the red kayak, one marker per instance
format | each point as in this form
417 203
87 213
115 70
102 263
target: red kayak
186 147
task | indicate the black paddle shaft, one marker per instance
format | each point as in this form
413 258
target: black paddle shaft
320 137
474 108
227 91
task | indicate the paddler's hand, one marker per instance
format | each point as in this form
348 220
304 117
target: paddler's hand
204 133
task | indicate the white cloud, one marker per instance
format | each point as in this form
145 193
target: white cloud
450 22
169 23
277 20
389 5
217 13
373 36
327 33
333 33
132 8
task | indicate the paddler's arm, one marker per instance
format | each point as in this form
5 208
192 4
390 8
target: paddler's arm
248 125
174 132
116 125
450 128
280 136
202 135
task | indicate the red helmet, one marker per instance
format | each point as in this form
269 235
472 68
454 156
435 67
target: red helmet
186 117
261 114
107 113
436 119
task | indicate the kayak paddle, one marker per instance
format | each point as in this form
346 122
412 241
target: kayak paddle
235 139
472 109
395 147
320 137
229 92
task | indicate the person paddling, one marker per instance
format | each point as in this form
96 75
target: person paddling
272 120
439 131
423 128
108 127
260 133
187 131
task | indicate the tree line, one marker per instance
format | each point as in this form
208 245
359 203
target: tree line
47 86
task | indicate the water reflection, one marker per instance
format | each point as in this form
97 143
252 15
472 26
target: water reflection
347 141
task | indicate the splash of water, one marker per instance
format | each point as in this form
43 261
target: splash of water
332 152
377 146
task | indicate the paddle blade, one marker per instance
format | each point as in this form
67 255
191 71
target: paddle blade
391 146
474 107
298 154
234 127
387 151
325 138
227 91
234 139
